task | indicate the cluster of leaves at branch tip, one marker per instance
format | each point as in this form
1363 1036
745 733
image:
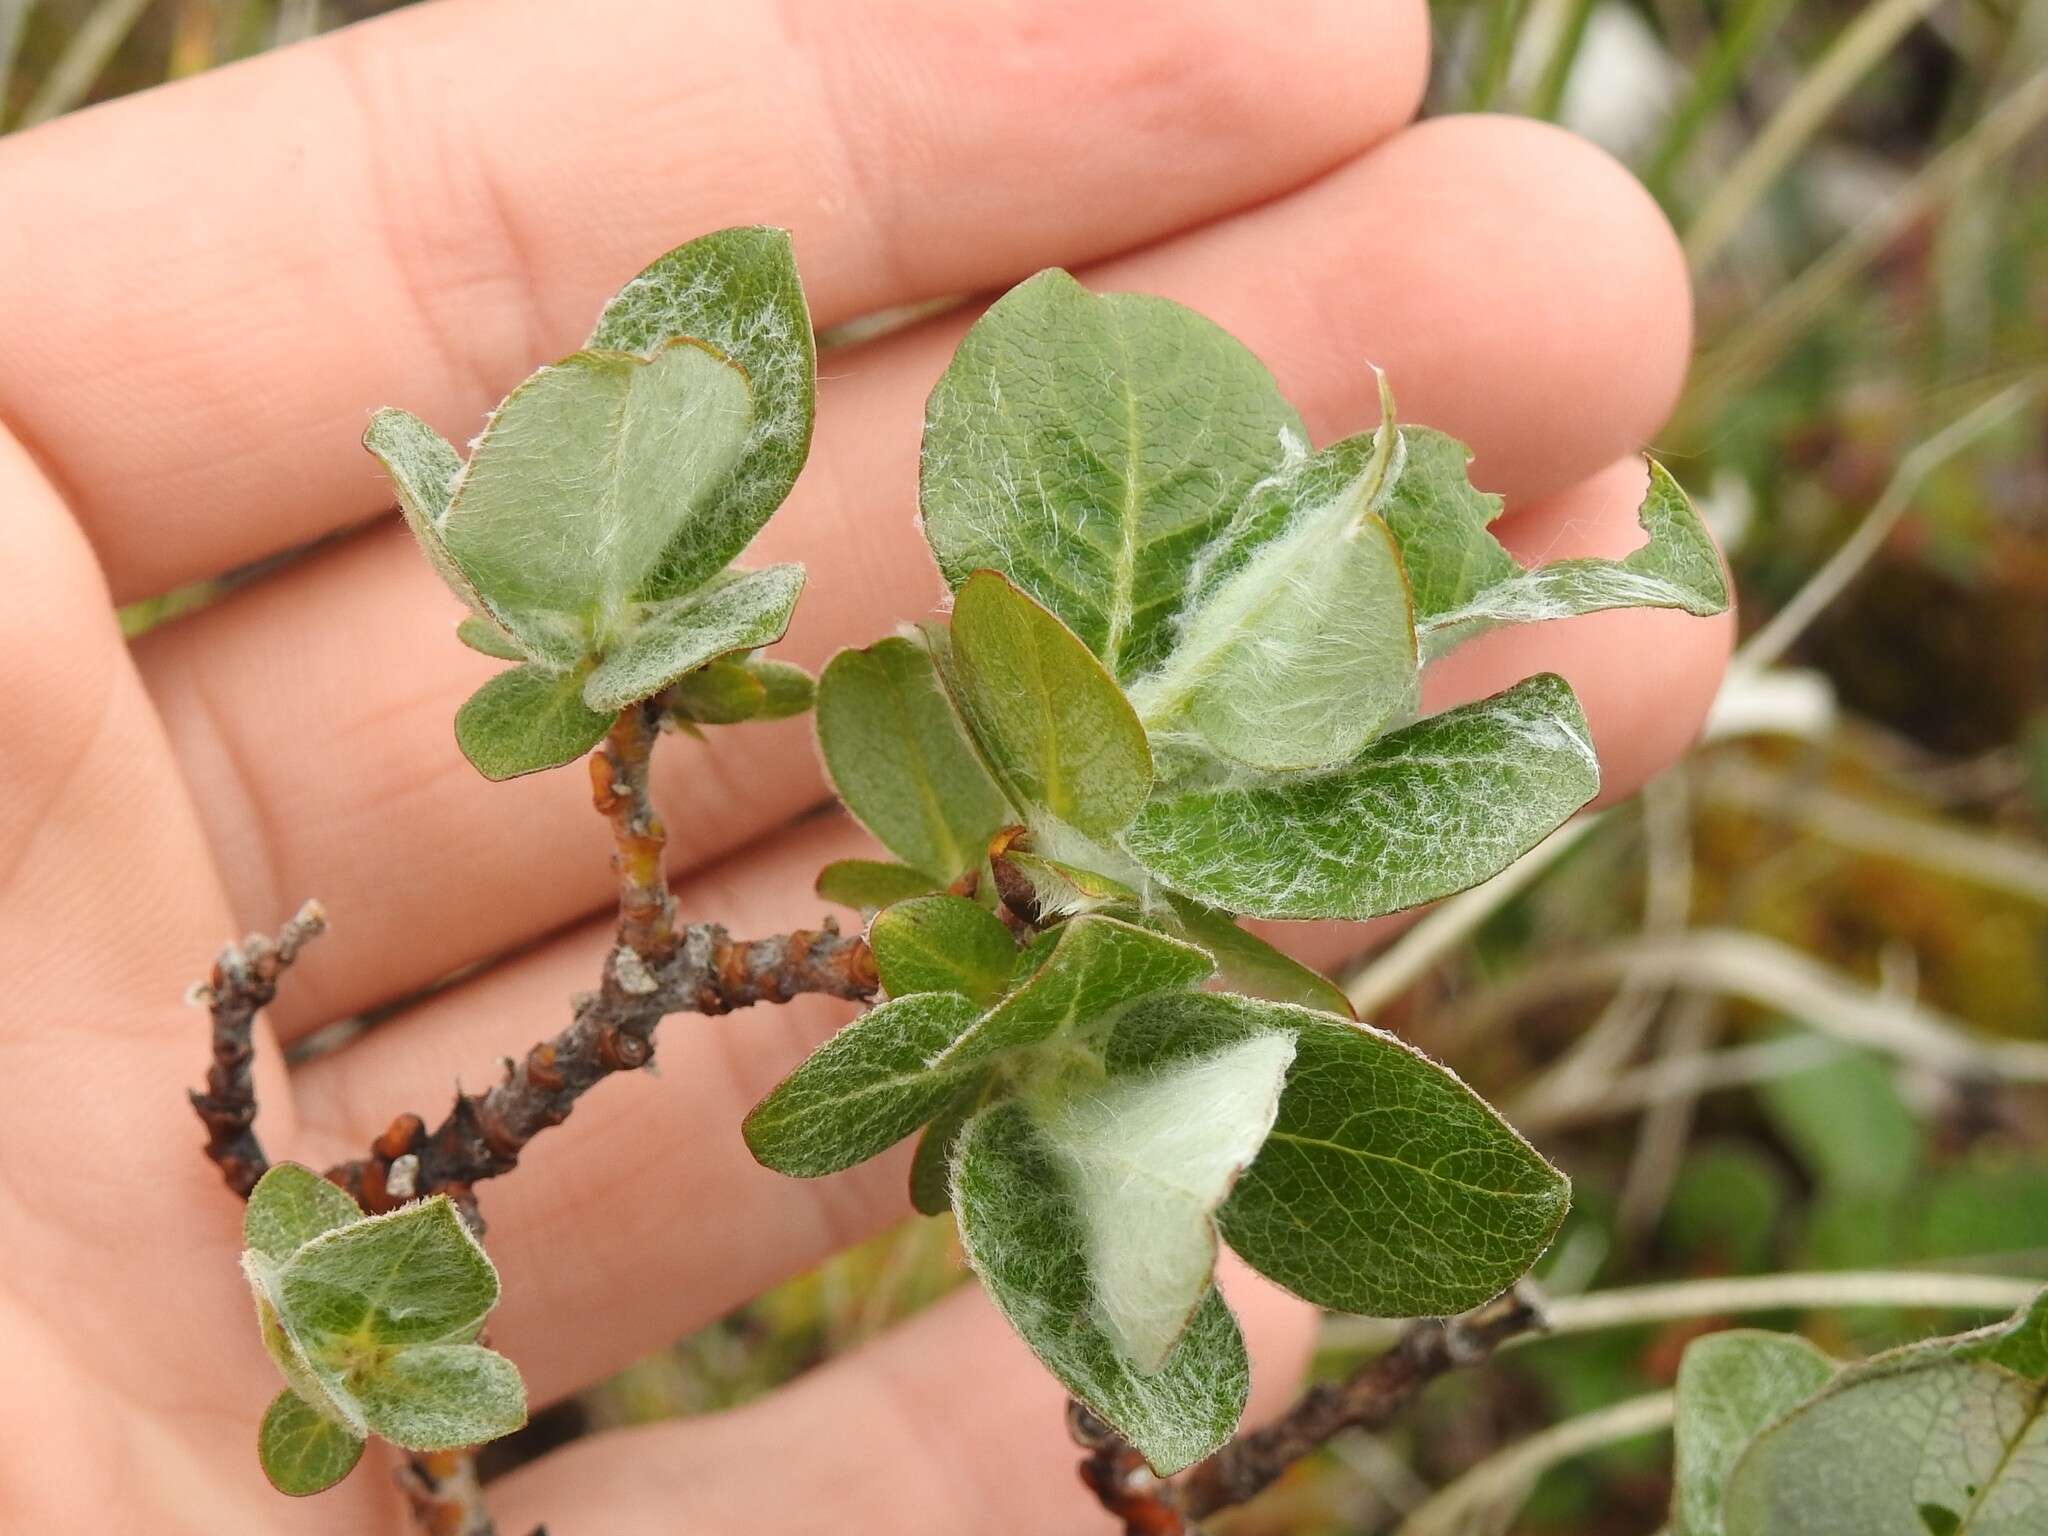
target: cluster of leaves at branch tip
373 1322
591 530
1179 685
1944 1438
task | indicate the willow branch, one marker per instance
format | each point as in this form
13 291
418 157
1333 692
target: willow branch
446 1496
1369 1399
240 985
655 968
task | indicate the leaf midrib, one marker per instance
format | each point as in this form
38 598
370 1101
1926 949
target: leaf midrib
1124 585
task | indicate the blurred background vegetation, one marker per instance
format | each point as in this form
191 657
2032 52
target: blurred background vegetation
1789 1011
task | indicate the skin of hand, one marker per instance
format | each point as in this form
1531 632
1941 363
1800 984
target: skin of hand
216 281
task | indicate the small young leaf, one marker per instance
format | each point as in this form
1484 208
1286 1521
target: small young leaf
931 1168
289 1207
869 885
436 1397
489 638
1089 968
1730 1385
750 609
736 289
586 474
1299 645
1424 812
1017 1222
728 692
943 944
1055 889
1248 964
1051 723
423 469
320 1386
1150 1154
898 758
1085 445
414 1276
786 689
721 692
1441 523
863 1090
1387 1187
1677 568
525 720
301 1451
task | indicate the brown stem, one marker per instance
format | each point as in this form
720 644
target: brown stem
1371 1398
619 789
654 969
609 1031
242 982
446 1497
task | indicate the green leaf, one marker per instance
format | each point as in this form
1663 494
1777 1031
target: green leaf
786 689
1387 1187
1052 724
1092 966
414 1276
1248 964
931 1168
487 637
440 1396
1298 646
1053 889
1086 446
943 944
1730 1385
1677 568
1024 1239
525 720
289 1207
1423 812
303 1452
863 1090
1150 1154
1948 1437
720 692
423 469
1440 521
671 639
899 759
738 290
585 475
869 885
319 1385
727 692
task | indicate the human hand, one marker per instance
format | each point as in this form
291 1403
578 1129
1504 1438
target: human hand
223 276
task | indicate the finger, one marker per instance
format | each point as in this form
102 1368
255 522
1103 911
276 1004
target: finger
1645 676
419 210
335 773
109 908
946 1424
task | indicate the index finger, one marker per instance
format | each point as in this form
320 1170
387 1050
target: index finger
229 273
